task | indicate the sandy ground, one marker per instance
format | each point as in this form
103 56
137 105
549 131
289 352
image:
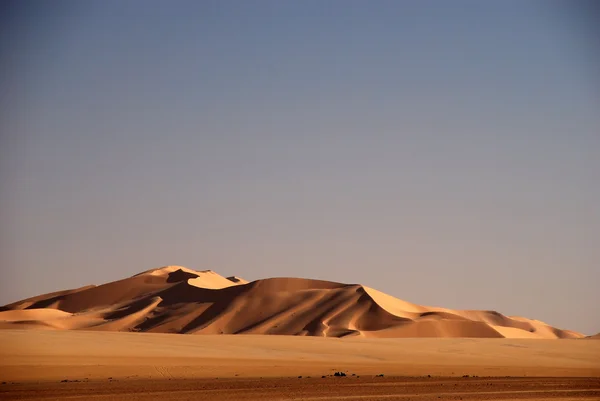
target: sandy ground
322 389
36 355
175 299
72 365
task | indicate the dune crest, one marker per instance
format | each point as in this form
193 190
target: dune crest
175 299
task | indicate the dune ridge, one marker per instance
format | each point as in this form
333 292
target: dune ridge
175 299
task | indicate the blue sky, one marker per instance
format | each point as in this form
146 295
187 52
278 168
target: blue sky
447 153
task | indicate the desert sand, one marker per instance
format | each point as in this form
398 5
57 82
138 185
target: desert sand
51 364
51 355
175 299
116 341
351 388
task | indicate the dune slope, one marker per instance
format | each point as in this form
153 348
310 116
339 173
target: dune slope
175 299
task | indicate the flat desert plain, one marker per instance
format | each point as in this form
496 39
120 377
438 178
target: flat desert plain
49 364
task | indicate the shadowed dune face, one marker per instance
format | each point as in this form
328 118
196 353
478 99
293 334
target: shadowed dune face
175 299
237 280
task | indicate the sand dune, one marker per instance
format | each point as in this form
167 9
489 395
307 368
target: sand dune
237 280
32 315
174 299
594 337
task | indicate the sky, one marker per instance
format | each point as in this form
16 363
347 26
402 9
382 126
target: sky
446 153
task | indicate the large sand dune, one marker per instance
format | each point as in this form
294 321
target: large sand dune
175 299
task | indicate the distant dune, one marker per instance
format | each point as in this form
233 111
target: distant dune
175 299
594 337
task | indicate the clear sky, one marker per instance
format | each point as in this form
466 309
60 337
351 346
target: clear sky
447 153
